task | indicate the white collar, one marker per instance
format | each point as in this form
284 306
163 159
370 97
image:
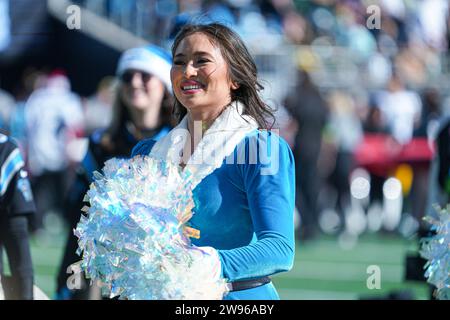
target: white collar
218 142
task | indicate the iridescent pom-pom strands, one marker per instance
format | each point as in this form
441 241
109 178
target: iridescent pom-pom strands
436 250
134 237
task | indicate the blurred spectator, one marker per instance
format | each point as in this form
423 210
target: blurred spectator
98 109
431 114
123 13
287 124
5 25
375 125
443 155
438 192
296 28
345 129
31 81
411 65
402 109
425 134
374 122
433 17
309 109
54 119
6 108
141 109
219 11
352 34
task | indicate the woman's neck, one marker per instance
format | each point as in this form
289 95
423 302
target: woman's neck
145 119
198 123
203 119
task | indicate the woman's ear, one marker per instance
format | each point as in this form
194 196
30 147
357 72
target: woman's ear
234 86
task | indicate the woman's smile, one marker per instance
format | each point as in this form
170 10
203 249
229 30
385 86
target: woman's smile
191 87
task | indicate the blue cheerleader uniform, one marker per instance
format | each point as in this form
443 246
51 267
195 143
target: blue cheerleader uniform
246 214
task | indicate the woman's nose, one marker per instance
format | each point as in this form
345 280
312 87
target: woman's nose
190 70
136 80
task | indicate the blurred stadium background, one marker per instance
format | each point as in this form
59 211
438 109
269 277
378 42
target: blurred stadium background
369 207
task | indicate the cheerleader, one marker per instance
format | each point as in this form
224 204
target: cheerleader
244 187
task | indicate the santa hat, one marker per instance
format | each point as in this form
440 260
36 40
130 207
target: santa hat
151 59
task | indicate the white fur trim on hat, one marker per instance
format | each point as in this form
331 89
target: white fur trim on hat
150 59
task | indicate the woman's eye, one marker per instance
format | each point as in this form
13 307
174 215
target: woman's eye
202 61
178 62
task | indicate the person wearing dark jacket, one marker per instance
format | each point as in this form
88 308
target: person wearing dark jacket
309 109
16 208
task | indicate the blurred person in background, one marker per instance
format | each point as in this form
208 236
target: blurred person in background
374 121
407 153
431 115
374 125
32 79
310 111
401 108
16 207
7 103
141 109
54 119
441 175
422 147
98 109
345 131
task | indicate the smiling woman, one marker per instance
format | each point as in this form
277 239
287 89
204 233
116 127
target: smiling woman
141 110
244 214
214 58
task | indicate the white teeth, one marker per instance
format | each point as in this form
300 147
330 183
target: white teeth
191 87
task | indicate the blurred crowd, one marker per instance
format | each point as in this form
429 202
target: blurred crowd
363 124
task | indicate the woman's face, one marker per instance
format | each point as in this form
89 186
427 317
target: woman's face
199 75
141 90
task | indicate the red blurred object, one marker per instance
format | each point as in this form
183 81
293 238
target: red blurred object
380 153
58 72
417 150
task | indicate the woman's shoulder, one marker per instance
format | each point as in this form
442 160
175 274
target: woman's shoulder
269 139
100 145
143 147
263 150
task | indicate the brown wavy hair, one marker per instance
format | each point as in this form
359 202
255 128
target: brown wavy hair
241 69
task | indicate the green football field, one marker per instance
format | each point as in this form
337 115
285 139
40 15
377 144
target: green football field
322 269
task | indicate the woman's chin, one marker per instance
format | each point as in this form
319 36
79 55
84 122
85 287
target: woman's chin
191 106
192 103
138 105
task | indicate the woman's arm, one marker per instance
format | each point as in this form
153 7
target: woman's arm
19 255
270 189
271 200
17 206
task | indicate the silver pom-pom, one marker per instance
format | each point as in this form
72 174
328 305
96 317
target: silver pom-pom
436 249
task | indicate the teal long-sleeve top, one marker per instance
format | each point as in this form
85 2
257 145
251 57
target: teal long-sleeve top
244 209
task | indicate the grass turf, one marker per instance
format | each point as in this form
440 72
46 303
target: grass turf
322 268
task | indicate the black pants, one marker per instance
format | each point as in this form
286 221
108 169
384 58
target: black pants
340 180
49 191
307 189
